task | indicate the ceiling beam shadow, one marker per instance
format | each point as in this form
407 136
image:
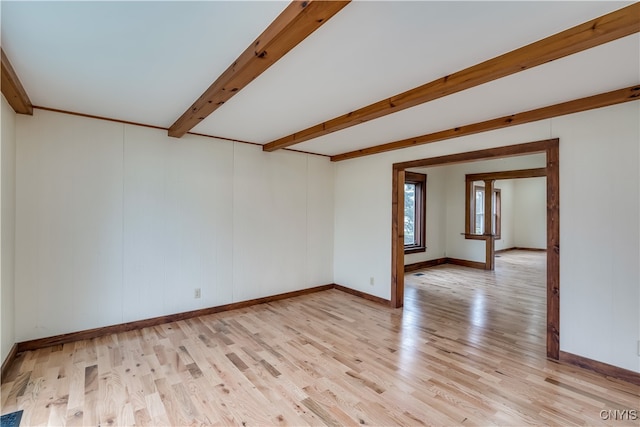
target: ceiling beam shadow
604 29
292 26
12 89
619 96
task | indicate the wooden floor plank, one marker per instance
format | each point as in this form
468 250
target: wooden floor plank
468 348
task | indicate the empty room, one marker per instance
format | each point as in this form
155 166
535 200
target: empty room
320 213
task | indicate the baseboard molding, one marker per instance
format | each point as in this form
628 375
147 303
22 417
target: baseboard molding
155 321
516 248
363 295
600 367
424 264
8 361
408 268
465 263
499 251
440 261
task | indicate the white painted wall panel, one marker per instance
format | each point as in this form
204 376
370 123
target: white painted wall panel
319 221
7 229
531 213
270 220
506 214
68 224
177 224
144 224
362 248
119 223
600 237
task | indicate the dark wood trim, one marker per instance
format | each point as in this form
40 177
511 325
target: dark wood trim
469 202
109 119
139 324
517 248
415 249
499 251
6 364
397 236
513 174
600 368
488 208
363 295
497 193
12 89
467 263
472 156
424 264
441 261
553 250
420 225
603 29
296 22
619 96
551 148
490 247
470 236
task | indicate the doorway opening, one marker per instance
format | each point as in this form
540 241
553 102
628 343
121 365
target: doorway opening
551 149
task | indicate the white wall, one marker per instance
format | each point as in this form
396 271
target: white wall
7 229
117 223
600 277
530 213
507 214
599 234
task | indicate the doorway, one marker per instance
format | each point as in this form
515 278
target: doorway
551 149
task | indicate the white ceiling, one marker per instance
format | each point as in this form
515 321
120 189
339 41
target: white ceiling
146 62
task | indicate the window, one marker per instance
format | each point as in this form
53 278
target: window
477 211
415 196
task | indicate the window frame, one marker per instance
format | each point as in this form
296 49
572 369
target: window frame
497 199
420 225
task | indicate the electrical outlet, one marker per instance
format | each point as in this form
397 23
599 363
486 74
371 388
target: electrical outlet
371 281
197 294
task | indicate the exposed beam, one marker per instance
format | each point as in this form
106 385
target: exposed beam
598 31
514 174
619 96
292 26
12 89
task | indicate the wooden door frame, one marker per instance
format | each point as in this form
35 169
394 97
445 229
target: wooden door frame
551 148
489 238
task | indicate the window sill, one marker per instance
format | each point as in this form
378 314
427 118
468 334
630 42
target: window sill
414 249
480 236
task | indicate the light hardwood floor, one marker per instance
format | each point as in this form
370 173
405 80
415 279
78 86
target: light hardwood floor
467 349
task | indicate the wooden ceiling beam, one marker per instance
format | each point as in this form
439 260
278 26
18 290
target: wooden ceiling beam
12 89
590 34
292 26
514 174
619 96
